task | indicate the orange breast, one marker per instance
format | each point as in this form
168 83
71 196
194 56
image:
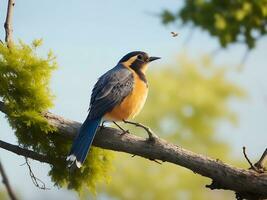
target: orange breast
132 104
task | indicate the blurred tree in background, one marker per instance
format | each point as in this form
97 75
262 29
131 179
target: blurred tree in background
184 107
240 21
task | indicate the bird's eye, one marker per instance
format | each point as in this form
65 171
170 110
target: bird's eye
140 57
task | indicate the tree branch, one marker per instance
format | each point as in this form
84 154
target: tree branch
8 22
263 160
223 175
249 162
24 152
6 183
2 107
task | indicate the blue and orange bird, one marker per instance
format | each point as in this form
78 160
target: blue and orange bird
118 95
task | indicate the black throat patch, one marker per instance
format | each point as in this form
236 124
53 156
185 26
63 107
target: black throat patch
137 66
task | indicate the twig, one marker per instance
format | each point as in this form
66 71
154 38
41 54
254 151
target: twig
23 164
260 164
8 22
250 163
25 152
151 136
156 161
36 181
6 183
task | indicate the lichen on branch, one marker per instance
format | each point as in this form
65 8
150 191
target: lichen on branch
24 89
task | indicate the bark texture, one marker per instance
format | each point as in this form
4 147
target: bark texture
8 23
246 183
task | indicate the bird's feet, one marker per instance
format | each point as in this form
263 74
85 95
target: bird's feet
122 129
152 137
102 125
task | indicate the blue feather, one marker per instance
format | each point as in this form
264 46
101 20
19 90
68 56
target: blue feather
109 91
83 141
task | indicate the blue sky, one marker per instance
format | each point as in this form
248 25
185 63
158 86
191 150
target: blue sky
89 37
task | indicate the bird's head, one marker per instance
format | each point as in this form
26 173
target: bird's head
137 60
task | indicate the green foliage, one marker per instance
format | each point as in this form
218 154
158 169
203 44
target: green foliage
230 21
24 88
95 170
185 104
24 80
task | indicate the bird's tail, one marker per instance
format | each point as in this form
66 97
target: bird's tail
83 141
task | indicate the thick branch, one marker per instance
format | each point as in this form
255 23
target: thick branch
6 183
8 22
223 175
19 150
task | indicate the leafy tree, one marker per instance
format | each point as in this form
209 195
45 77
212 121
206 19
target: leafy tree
186 102
240 21
24 81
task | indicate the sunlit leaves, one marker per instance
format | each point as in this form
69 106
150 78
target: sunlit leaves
240 21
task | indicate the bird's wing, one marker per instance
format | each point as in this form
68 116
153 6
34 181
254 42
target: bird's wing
110 90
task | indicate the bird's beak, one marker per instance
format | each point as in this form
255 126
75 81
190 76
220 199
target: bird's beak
152 58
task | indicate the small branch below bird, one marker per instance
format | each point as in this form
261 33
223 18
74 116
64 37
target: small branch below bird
151 136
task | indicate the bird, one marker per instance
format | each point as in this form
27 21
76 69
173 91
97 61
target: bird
174 34
118 95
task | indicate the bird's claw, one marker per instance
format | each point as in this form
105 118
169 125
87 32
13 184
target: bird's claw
125 132
102 125
152 137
